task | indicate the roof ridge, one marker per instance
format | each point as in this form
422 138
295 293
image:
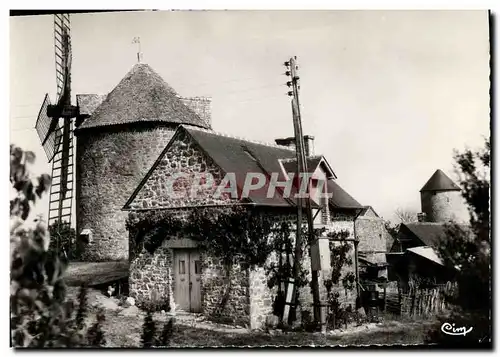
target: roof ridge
307 158
187 126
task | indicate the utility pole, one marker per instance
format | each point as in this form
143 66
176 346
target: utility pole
292 72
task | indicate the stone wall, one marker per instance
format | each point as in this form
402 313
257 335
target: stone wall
164 189
372 237
225 297
110 164
261 296
249 300
443 206
150 276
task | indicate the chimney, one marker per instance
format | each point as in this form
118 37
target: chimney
309 145
421 217
201 106
290 143
287 142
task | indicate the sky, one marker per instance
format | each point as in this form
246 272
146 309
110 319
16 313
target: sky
388 95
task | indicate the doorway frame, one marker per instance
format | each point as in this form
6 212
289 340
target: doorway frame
188 250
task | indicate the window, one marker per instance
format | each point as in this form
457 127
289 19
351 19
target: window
182 267
197 266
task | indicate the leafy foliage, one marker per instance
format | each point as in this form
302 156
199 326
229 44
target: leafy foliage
280 272
226 232
167 332
40 315
148 336
339 259
468 249
63 239
95 334
28 190
82 311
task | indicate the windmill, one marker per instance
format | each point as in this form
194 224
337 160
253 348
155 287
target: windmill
55 127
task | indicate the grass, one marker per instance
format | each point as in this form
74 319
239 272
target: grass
125 331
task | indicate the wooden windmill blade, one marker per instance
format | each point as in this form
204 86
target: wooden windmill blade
62 46
55 126
47 128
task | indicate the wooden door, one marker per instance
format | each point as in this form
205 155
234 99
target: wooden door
195 280
181 270
187 271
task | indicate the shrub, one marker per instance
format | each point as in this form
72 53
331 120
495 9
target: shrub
63 239
167 332
148 336
95 335
40 315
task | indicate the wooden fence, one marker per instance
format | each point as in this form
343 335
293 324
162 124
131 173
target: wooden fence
417 301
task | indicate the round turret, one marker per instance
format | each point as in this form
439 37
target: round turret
442 200
117 144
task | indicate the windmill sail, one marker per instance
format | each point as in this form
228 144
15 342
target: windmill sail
47 130
62 45
55 126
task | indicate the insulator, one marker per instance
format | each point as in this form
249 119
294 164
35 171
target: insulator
287 64
288 73
289 83
296 67
290 93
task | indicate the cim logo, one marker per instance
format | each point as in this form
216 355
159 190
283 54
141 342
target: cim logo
450 329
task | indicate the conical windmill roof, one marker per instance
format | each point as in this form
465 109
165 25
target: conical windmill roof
440 182
142 96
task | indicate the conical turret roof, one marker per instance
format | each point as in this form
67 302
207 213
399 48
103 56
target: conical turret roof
142 96
440 182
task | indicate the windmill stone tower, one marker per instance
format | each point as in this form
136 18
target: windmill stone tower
441 200
119 138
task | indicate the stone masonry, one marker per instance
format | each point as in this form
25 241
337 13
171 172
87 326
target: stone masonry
184 156
248 301
443 206
111 164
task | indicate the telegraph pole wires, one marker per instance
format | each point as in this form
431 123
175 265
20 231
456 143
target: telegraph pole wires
293 83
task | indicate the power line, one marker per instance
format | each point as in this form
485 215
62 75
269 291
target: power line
22 129
24 117
25 105
219 82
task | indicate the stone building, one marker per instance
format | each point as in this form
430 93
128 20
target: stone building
133 139
413 250
442 200
119 136
178 271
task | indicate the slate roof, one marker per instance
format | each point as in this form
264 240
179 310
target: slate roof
440 182
142 96
241 156
290 165
366 209
340 198
429 233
